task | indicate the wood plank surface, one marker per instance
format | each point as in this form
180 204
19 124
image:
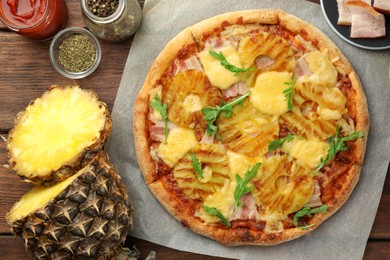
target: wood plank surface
26 72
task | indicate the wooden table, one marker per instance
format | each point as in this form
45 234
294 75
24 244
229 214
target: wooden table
26 72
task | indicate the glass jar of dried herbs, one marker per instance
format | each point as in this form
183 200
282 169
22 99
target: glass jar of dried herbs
77 53
112 20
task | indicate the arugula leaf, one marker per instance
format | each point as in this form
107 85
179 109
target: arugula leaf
228 65
162 108
197 166
242 185
307 211
275 144
336 144
215 212
288 92
211 114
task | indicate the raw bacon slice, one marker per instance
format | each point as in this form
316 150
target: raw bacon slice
345 13
366 22
382 6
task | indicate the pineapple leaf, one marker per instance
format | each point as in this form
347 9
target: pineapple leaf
307 211
215 212
288 92
211 114
162 108
242 185
224 62
279 142
197 165
336 144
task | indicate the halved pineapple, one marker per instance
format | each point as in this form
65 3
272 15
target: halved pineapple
57 133
87 215
283 187
248 131
215 169
186 94
276 51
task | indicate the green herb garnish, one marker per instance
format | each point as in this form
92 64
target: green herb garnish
228 65
336 144
288 92
211 114
275 144
307 211
162 108
242 185
197 166
215 212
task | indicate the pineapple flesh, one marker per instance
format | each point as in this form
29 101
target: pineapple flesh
56 133
268 45
87 215
248 131
186 95
215 170
284 186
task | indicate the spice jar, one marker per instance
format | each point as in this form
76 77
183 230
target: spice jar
75 53
112 20
34 19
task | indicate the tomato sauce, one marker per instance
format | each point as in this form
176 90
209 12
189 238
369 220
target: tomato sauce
34 19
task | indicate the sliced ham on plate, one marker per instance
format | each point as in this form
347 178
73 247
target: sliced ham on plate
345 13
382 6
366 22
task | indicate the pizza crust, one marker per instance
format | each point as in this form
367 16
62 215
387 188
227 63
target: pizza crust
195 34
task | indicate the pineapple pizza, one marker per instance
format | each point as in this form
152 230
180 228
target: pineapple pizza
251 127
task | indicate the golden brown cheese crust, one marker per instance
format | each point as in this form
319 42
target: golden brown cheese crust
197 34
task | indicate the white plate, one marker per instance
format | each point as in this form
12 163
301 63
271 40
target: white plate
330 11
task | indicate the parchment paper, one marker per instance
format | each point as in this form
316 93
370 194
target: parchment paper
342 236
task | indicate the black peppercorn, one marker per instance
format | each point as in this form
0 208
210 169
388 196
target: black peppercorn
103 8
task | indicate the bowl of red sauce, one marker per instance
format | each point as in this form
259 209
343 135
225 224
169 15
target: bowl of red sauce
34 19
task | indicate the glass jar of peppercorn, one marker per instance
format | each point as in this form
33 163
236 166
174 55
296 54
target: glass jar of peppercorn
112 20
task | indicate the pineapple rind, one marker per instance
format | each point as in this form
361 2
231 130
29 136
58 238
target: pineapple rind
89 218
56 161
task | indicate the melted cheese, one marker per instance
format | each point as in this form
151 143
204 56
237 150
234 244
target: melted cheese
239 163
308 153
218 75
323 72
267 95
222 200
179 142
